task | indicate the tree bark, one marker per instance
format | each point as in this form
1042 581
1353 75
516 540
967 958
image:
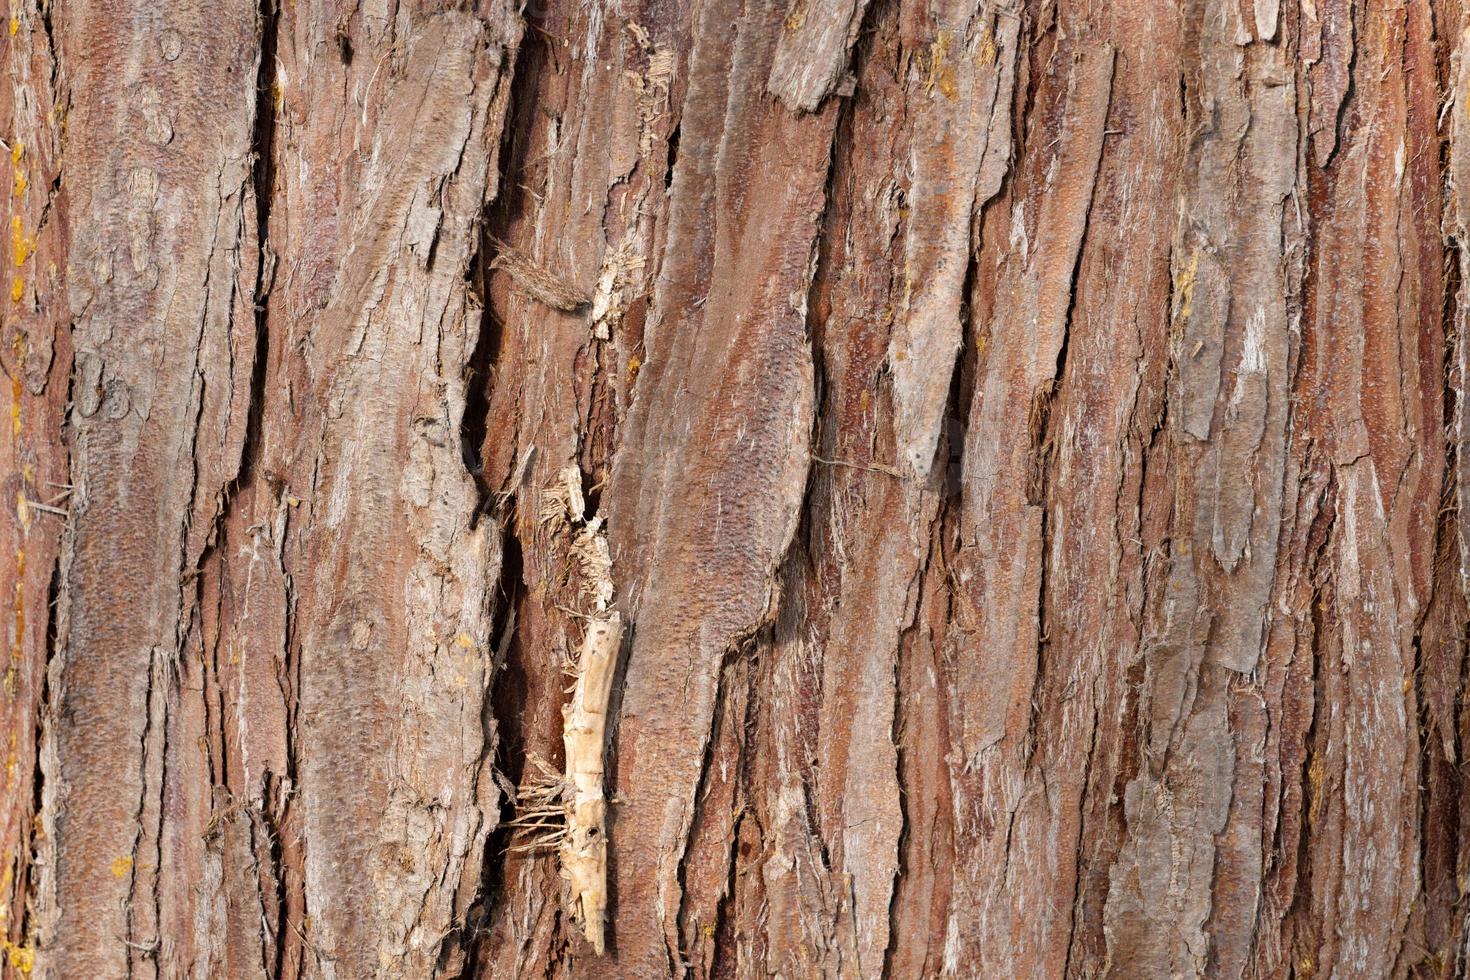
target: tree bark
993 469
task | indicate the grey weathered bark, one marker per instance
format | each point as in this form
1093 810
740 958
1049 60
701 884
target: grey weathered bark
1019 443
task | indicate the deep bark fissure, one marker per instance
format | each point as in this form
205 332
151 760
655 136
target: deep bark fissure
1318 575
263 181
509 754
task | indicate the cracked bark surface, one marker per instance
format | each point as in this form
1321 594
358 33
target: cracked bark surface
1028 439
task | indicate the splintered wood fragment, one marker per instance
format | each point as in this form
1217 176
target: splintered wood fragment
584 728
567 810
539 282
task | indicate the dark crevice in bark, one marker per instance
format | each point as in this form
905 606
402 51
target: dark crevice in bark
1338 135
673 158
611 778
901 720
484 360
1318 573
478 371
1079 876
722 962
509 681
507 698
1442 623
60 95
263 175
966 366
264 179
22 894
171 670
680 965
265 124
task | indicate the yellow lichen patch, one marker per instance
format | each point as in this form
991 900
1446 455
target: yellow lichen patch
21 958
22 246
987 51
633 365
17 151
14 26
121 866
941 73
15 403
21 183
464 642
947 84
17 289
796 18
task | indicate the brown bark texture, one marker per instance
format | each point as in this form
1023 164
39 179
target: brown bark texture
735 488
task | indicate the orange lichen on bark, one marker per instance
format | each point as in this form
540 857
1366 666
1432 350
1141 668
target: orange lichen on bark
22 246
19 957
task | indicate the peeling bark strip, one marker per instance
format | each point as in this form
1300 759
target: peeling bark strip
1228 429
812 52
374 368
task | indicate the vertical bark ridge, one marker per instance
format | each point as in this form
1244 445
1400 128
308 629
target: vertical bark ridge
704 529
388 131
160 303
